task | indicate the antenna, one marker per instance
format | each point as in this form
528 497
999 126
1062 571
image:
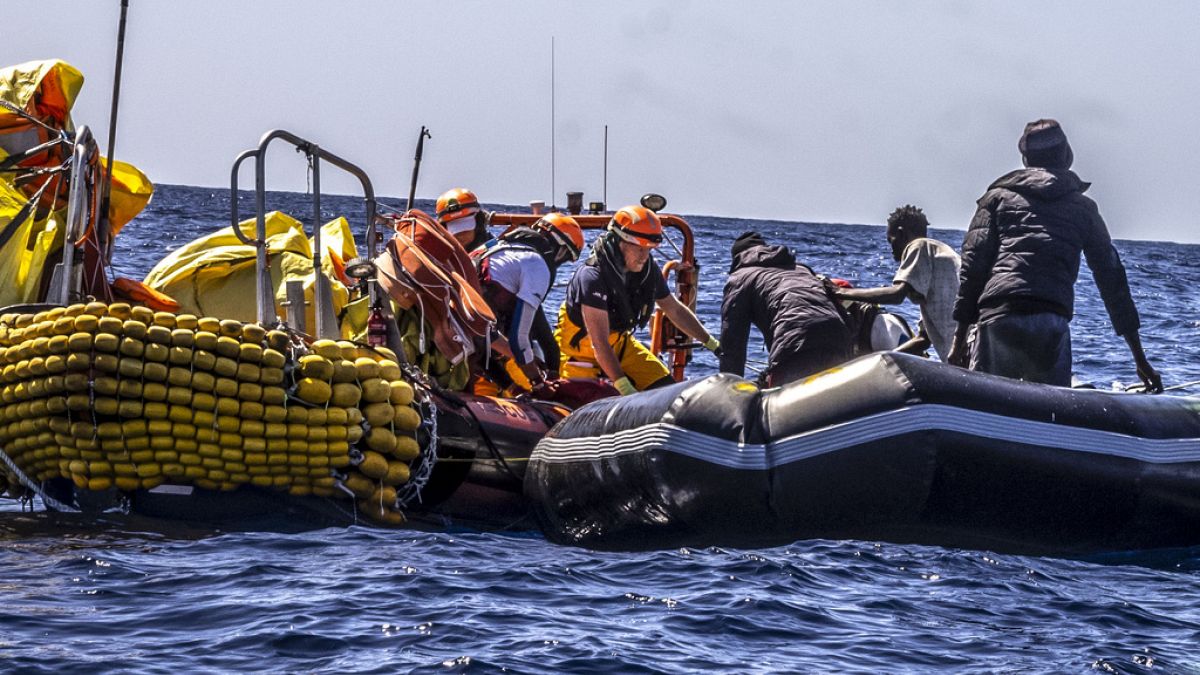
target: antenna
606 166
553 193
106 188
412 188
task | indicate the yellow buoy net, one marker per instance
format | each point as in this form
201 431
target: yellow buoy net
114 396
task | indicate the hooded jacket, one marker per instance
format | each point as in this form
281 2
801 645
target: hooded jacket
787 302
1021 252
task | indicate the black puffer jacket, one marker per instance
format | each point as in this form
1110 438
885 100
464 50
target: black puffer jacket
1021 252
787 302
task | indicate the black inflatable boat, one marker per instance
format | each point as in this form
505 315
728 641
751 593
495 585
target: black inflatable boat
889 447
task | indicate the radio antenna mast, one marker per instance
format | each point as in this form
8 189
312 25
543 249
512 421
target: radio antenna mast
606 166
553 166
106 187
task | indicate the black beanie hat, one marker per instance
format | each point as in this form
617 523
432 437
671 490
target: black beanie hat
746 240
1043 144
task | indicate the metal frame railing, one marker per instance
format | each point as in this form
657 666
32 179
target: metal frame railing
264 296
78 212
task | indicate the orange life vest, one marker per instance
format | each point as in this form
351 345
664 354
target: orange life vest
424 267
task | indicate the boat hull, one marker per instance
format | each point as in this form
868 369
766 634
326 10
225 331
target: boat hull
890 448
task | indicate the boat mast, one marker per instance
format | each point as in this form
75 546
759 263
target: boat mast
412 187
553 193
106 189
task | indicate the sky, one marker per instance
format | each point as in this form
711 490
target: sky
818 111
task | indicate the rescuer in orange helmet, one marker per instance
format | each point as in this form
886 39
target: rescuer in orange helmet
517 271
613 294
459 212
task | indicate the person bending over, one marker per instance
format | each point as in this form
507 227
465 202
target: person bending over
613 294
517 270
459 212
789 304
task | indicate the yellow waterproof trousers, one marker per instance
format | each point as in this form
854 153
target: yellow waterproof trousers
640 364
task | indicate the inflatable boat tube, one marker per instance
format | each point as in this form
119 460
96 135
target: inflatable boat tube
889 447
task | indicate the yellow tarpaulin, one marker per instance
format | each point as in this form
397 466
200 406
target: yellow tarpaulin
29 237
25 244
215 274
338 242
131 191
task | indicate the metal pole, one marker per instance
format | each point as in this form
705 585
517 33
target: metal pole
76 213
606 166
264 297
263 291
316 188
412 187
553 198
106 191
296 307
322 292
233 195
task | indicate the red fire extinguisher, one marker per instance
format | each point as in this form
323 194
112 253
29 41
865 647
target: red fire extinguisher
377 329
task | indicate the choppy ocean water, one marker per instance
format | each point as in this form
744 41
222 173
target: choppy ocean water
127 596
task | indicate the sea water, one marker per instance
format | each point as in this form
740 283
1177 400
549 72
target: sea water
126 595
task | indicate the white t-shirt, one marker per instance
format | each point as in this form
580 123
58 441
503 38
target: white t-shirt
522 272
930 268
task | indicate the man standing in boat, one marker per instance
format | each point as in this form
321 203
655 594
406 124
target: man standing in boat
613 294
1020 259
459 212
928 275
789 304
517 270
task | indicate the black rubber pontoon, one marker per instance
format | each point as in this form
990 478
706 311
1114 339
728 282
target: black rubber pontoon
890 447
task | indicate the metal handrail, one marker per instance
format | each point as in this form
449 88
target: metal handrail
234 216
666 336
263 294
77 211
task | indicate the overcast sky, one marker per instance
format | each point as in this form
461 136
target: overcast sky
821 111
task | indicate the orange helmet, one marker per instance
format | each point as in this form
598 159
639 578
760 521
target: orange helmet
637 225
456 204
564 230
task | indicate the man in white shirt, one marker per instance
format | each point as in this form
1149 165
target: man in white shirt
517 271
928 275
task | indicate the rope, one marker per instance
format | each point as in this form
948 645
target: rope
10 163
29 210
383 206
21 113
491 446
671 241
1142 387
35 488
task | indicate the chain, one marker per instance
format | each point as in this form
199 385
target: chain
423 464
